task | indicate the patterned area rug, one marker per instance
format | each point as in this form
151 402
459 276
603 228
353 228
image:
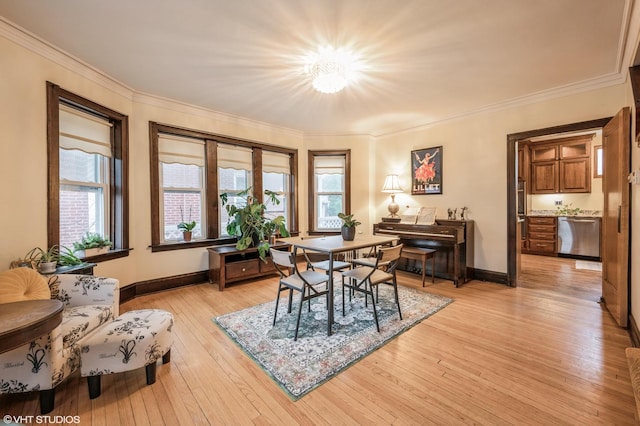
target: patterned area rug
300 366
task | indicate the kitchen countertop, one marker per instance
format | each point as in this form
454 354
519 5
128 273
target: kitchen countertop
583 213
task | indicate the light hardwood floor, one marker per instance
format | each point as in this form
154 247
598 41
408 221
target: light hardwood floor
543 353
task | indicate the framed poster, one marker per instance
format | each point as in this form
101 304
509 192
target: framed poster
426 171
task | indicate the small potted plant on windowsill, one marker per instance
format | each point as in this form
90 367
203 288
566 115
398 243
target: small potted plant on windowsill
187 229
186 226
349 224
91 244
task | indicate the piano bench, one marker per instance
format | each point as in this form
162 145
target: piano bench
422 254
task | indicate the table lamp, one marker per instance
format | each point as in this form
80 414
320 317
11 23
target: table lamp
392 186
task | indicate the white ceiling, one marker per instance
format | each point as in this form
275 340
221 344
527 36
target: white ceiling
426 60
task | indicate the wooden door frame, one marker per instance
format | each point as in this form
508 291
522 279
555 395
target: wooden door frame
512 180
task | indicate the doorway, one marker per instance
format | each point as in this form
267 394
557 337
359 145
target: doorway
513 240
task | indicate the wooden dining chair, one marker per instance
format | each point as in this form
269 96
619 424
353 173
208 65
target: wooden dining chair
364 279
307 282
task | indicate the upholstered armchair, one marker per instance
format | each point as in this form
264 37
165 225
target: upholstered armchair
45 362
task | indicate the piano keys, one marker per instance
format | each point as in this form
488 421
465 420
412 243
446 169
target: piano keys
453 240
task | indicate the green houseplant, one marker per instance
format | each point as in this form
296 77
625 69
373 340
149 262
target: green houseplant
45 261
91 244
187 229
186 226
349 224
248 223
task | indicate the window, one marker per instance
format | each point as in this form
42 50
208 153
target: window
87 149
234 175
329 194
598 168
190 168
276 177
182 178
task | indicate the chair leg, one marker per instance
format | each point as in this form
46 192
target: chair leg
295 337
290 301
373 303
395 289
47 400
275 313
342 296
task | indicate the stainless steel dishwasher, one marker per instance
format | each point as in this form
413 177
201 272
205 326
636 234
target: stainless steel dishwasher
579 236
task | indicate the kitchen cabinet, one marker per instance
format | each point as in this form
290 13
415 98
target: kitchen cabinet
542 232
561 166
523 162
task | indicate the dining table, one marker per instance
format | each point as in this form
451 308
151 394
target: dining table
332 245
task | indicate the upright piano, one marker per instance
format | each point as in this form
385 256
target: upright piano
453 240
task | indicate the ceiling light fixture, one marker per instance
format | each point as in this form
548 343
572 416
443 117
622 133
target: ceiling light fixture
331 69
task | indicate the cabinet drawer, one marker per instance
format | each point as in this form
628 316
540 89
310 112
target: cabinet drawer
267 267
542 236
542 220
542 246
242 268
544 229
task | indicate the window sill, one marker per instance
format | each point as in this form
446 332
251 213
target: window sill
111 254
181 245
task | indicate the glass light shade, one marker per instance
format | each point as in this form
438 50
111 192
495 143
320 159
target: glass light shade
330 69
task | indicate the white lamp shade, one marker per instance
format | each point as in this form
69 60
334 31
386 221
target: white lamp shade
391 184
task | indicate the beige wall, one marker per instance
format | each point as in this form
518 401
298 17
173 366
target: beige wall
474 156
475 162
23 158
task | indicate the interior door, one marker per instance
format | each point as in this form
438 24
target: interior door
615 216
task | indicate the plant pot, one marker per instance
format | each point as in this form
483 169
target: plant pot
348 233
47 267
186 235
91 252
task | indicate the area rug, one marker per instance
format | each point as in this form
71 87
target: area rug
300 366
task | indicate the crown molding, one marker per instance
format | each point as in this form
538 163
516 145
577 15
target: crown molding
33 43
185 108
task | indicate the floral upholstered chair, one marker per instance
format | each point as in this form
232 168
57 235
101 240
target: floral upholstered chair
45 362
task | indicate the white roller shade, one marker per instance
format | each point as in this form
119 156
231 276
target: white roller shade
275 162
82 131
235 157
175 149
329 165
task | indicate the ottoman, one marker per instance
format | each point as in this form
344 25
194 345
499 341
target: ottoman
135 339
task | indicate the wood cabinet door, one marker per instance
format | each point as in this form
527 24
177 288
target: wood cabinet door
544 152
575 175
578 149
544 177
616 141
523 163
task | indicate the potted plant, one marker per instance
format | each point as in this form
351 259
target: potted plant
67 257
186 226
45 261
348 226
248 222
187 229
91 245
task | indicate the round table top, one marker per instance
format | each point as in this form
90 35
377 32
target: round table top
22 322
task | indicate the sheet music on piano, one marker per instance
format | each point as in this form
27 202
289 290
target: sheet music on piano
410 215
419 216
427 216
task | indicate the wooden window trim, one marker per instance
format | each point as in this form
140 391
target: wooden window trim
311 188
213 200
119 178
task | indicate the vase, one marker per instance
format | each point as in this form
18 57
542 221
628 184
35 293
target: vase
348 233
186 235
